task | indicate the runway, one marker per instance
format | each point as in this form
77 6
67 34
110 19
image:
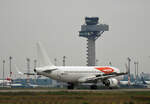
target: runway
75 90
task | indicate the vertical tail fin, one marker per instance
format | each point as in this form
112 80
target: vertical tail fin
143 81
127 68
127 71
18 71
42 57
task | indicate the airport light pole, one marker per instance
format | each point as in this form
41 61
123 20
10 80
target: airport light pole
10 58
129 60
135 71
64 64
28 69
10 72
3 72
35 63
137 63
64 60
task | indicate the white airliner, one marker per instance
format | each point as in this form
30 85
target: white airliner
75 75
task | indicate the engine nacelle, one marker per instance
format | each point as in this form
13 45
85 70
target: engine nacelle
111 82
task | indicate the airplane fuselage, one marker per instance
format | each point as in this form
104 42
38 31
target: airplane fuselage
74 73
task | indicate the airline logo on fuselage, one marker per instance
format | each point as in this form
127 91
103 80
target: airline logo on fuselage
106 70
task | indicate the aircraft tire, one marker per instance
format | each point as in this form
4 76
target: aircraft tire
70 86
93 87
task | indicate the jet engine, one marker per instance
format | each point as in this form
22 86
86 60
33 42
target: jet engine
111 82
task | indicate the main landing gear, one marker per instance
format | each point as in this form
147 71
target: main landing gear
93 87
70 86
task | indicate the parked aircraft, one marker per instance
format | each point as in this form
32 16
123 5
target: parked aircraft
5 81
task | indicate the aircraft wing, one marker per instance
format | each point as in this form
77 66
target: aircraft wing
32 74
46 71
106 76
100 77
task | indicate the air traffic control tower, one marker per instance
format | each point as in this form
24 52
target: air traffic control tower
92 30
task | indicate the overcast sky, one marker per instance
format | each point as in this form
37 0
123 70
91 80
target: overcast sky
56 24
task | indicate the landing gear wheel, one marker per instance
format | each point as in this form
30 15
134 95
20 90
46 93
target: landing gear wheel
110 88
93 87
70 86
